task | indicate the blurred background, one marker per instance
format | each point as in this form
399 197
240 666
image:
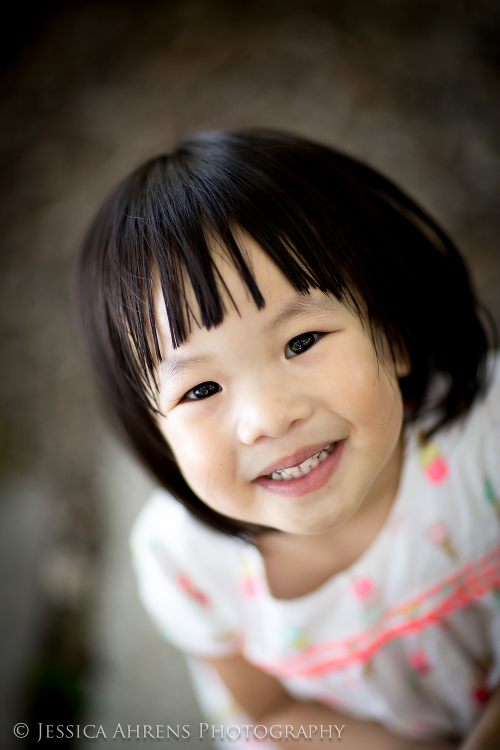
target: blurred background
89 90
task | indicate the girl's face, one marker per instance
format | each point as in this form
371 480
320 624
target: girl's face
296 387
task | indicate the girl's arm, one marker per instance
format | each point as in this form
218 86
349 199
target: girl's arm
486 733
265 700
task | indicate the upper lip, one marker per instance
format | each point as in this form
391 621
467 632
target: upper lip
286 462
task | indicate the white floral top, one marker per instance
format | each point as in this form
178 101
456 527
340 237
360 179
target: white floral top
409 635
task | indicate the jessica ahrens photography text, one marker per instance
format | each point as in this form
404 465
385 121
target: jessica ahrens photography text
178 732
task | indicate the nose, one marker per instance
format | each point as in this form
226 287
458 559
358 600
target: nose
270 411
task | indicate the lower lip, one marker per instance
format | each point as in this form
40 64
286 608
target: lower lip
316 478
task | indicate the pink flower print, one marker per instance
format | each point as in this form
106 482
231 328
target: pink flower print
363 588
491 495
418 661
188 586
435 466
366 591
439 534
296 637
251 586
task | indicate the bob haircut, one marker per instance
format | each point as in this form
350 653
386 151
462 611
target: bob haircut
326 220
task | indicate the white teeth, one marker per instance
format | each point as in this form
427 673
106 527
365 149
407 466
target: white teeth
293 472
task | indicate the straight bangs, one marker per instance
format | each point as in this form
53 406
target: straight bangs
166 224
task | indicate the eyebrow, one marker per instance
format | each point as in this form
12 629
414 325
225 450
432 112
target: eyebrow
175 365
301 305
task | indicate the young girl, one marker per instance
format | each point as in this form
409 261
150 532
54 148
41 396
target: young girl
293 349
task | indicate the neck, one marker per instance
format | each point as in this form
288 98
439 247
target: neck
298 563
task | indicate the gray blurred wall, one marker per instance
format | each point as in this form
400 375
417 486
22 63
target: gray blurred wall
411 86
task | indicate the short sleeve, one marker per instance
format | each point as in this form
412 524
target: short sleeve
184 575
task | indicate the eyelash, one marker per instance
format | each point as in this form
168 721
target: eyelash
209 388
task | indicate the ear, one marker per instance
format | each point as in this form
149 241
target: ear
403 362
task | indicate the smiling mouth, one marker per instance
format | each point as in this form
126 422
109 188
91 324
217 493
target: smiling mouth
301 470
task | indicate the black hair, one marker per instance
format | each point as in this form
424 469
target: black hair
326 220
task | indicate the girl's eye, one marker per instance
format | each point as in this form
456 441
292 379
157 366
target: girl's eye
300 344
204 390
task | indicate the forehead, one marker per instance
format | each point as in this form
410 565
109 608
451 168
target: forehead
282 302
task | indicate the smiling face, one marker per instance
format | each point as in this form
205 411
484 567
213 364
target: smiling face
247 404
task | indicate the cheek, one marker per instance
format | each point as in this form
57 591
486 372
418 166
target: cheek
364 393
199 457
187 444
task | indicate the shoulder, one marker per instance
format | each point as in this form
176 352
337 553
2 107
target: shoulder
486 409
162 520
186 577
475 440
173 551
454 478
471 443
166 529
445 525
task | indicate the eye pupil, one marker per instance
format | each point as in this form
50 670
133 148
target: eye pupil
205 389
301 343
